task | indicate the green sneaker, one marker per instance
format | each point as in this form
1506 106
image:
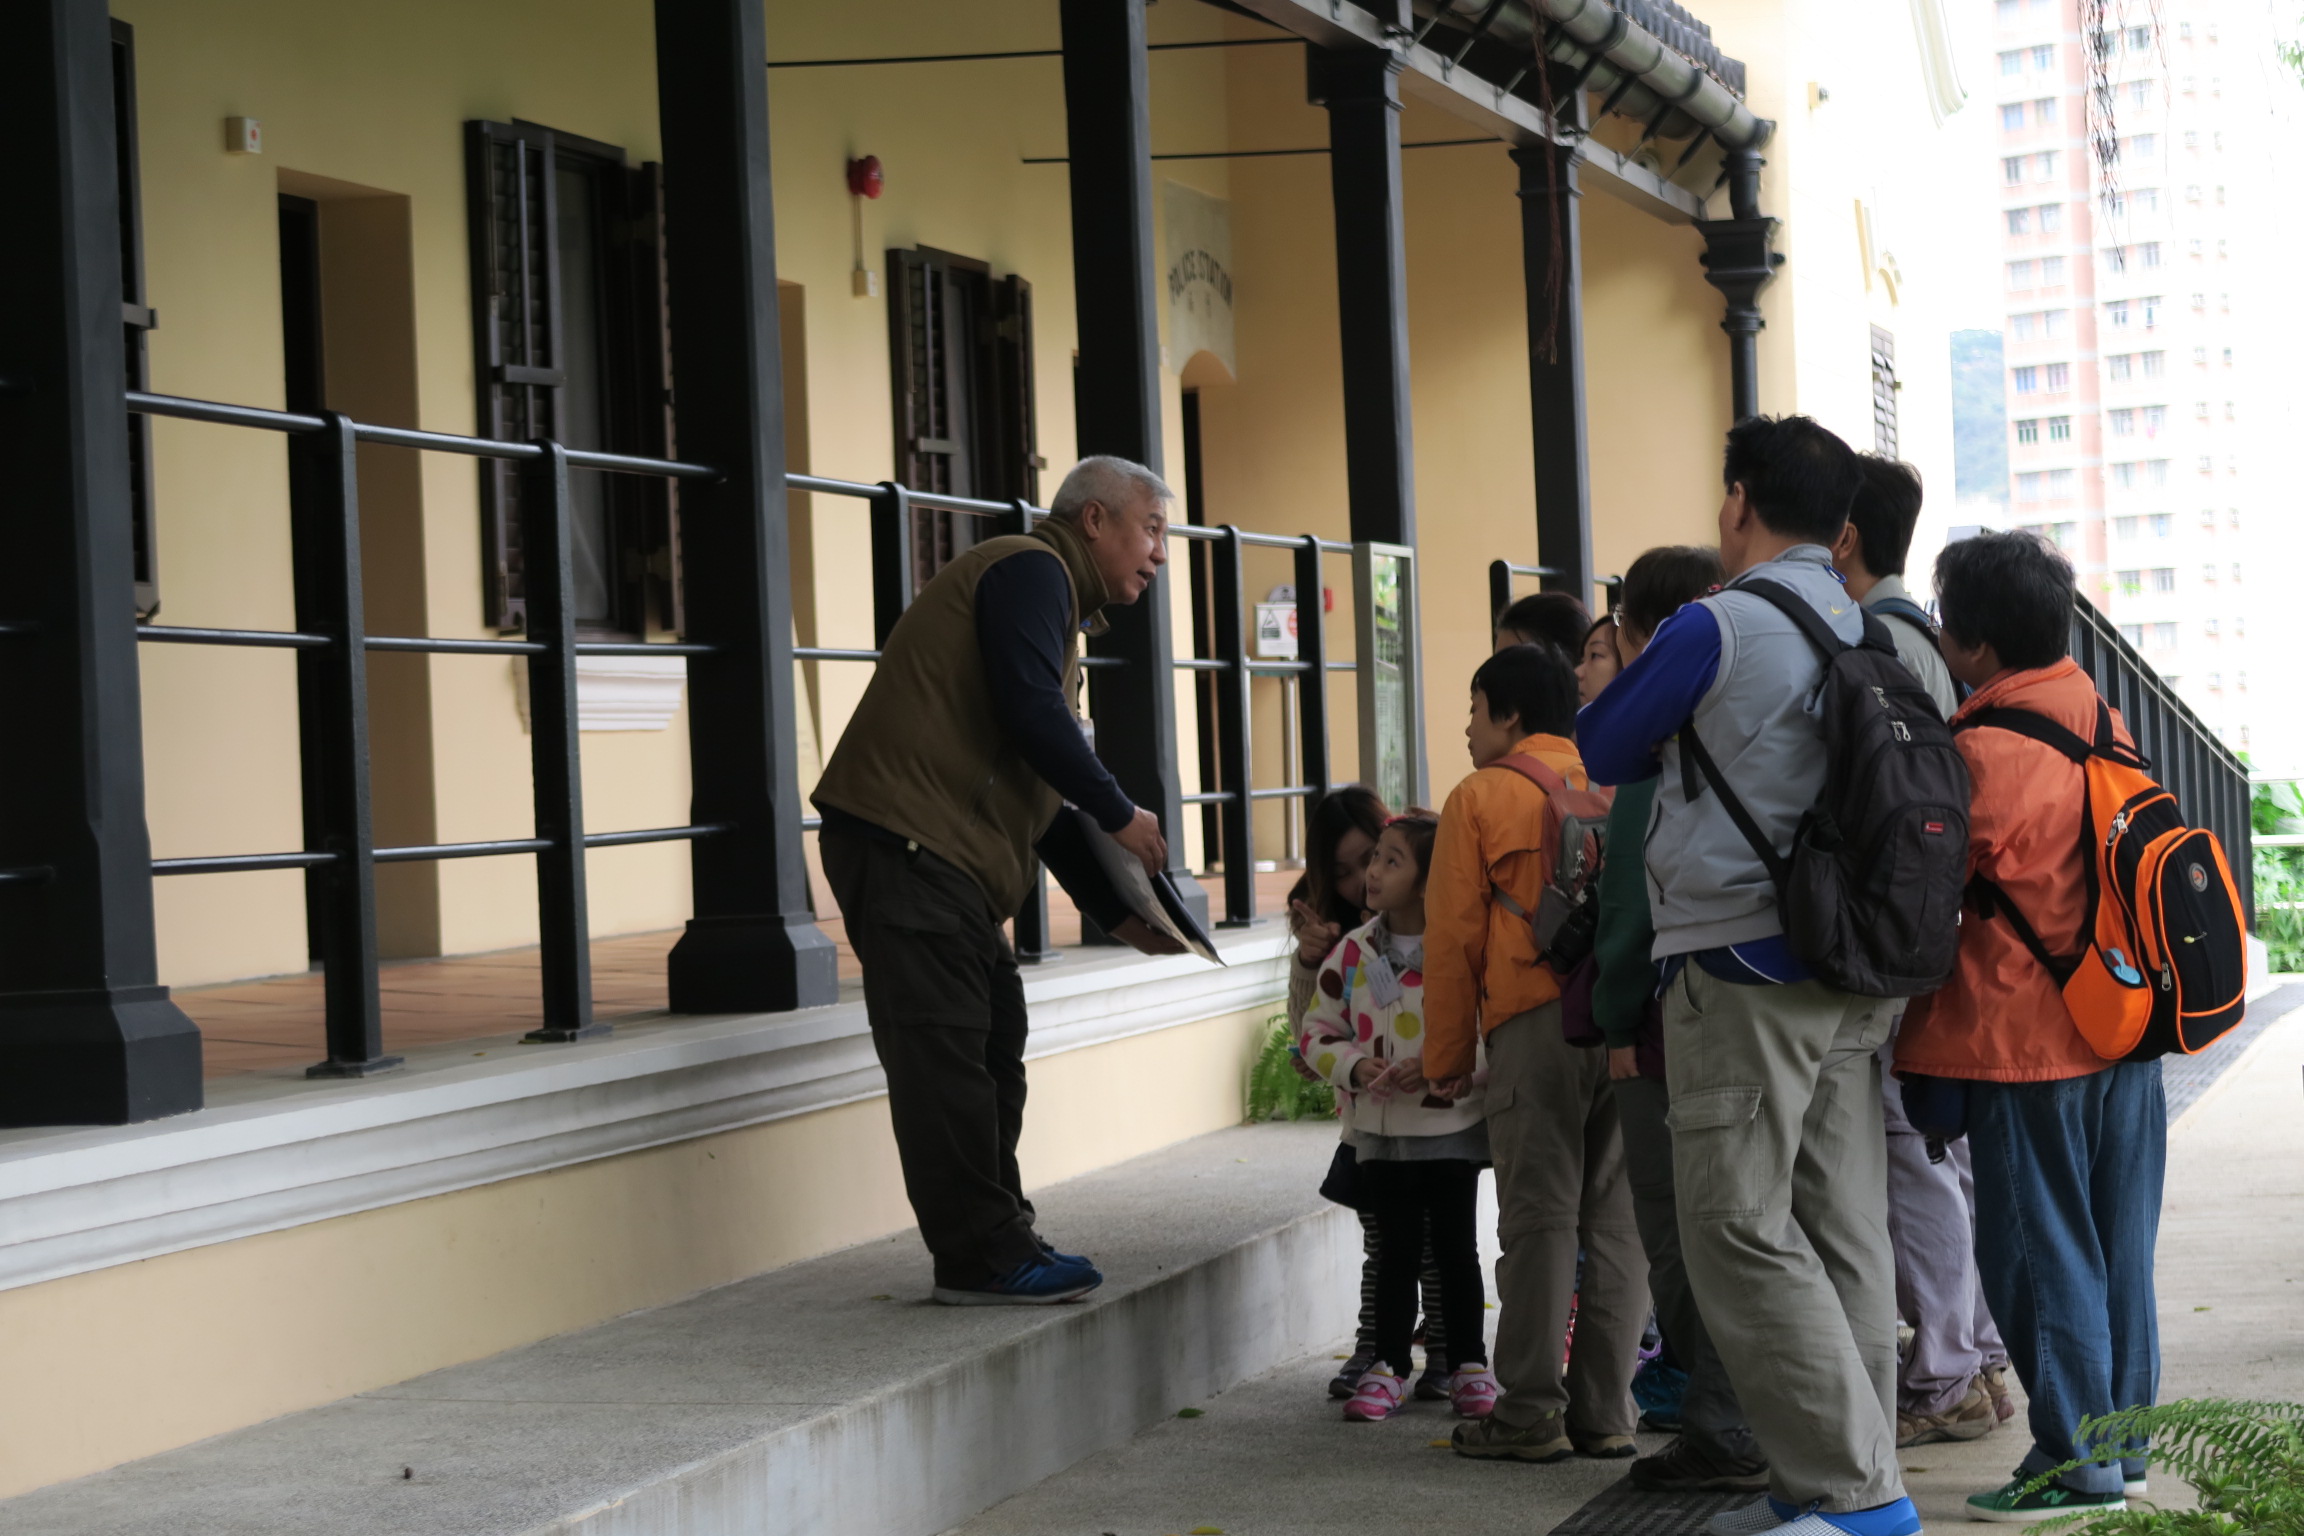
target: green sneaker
2010 1504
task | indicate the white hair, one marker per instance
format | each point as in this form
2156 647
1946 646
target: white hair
1115 482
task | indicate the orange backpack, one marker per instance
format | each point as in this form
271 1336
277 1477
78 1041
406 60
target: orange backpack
2164 963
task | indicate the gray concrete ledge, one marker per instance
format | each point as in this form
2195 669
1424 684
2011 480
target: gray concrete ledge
827 1397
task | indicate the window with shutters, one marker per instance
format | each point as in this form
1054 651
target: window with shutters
960 366
136 319
570 341
1883 392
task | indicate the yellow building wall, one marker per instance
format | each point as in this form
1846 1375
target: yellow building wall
126 1362
373 99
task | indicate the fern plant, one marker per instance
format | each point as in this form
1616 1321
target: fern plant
2245 1459
1277 1088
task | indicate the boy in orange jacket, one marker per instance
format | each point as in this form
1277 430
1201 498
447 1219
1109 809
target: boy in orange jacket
1552 1126
2070 1149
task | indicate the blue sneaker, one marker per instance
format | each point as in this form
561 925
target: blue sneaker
1034 1283
1896 1519
1050 1250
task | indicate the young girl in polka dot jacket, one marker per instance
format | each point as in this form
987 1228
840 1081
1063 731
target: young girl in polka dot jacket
1419 1154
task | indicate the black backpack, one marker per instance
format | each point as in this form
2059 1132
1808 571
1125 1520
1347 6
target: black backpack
1915 615
1871 892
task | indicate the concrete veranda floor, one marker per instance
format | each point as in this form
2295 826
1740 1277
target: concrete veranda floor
1273 1458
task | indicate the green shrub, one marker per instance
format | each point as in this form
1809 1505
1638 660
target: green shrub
2245 1459
1276 1090
2279 808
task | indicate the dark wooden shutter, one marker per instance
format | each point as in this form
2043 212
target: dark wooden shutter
655 435
136 318
931 360
516 317
1013 422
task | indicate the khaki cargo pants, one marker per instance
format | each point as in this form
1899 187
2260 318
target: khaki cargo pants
1782 1166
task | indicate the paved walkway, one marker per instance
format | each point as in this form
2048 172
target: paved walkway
1273 1458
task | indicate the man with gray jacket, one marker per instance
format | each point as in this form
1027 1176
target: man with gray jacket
1778 1147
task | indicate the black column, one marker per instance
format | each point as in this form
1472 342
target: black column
752 944
1361 90
87 1036
1737 261
1551 226
1108 122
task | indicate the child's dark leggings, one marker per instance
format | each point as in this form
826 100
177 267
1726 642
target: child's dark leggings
1404 1197
1428 1282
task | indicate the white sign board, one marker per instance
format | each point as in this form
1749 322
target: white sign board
1276 631
1199 239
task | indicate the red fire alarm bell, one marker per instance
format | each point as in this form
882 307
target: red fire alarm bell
864 178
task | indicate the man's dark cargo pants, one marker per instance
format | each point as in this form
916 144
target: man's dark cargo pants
946 1006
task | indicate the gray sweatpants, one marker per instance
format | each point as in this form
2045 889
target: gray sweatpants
1932 1220
1780 1160
1560 1182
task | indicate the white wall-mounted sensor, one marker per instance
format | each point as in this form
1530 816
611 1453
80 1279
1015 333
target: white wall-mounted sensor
243 136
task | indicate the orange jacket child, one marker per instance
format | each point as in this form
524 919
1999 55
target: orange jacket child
1480 963
2002 1017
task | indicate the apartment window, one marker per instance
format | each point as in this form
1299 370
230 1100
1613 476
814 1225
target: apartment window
2012 62
2208 573
2162 524
2028 430
2155 420
2044 111
2019 221
2139 39
2117 313
2234 521
2191 194
2059 487
2124 476
2239 628
2161 579
2144 146
2123 422
2051 218
2051 271
2012 170
2058 376
2129 583
2235 571
2224 300
2124 527
2207 464
2199 357
2023 327
2227 357
2044 56
2223 249
2009 10
1884 392
2027 380
2208 519
2191 138
2216 140
2211 628
2023 274
2120 367
2133 634
2163 637
963 392
2199 303
2148 199
2155 364
2055 322
2148 254
2200 409
2215 682
2231 411
2116 258
2012 116
568 318
2029 486
2155 471
2151 308
2059 429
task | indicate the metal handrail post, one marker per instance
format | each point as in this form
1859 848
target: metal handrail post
1034 946
891 559
562 918
1499 589
1235 727
324 515
1312 695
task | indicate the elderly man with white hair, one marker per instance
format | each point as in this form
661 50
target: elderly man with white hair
945 785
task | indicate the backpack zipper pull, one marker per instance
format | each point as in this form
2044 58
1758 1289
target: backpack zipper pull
2167 979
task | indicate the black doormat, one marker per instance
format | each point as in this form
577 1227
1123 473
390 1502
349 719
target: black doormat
1623 1510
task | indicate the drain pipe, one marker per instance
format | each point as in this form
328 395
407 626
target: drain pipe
1739 261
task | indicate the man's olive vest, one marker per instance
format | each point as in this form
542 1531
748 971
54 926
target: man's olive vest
924 757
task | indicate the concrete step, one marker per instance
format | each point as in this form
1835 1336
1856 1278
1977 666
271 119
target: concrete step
827 1397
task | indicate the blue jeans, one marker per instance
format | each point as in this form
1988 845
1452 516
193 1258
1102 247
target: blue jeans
2068 1180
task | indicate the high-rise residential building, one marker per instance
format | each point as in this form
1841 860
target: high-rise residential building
2128 333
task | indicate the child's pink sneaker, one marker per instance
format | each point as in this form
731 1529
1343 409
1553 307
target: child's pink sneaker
1377 1397
1472 1392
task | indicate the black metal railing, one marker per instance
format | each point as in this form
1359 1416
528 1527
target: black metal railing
1233 664
331 641
1503 575
2207 777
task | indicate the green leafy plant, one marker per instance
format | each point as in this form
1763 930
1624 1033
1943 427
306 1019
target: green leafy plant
1276 1089
2245 1459
2276 808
